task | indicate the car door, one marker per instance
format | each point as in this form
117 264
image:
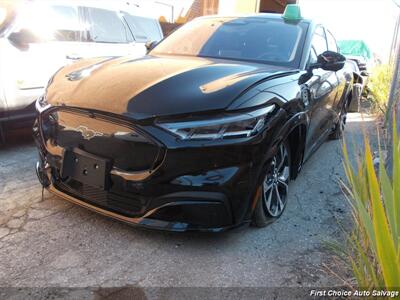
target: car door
323 90
57 36
342 80
109 35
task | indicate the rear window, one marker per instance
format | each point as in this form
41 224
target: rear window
143 29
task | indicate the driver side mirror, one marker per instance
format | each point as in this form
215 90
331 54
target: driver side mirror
21 39
150 45
330 61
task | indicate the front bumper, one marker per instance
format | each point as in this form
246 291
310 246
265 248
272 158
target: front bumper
146 221
191 208
205 187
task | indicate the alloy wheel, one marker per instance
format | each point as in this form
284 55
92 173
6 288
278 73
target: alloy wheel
276 183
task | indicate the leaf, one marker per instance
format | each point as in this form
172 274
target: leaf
396 180
387 193
385 248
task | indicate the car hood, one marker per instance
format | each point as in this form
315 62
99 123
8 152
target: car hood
155 86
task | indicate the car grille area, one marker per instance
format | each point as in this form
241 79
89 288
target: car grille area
79 141
110 138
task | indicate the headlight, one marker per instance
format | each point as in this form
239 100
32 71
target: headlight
41 104
228 126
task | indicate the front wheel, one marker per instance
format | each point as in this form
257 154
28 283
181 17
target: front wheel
274 188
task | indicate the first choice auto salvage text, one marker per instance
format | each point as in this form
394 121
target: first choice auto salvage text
355 293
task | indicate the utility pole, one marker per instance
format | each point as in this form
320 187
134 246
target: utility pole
394 98
171 6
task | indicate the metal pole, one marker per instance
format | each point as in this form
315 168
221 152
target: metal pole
171 7
394 97
393 104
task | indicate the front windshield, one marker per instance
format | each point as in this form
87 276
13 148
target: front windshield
258 39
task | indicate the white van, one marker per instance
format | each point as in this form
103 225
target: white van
39 37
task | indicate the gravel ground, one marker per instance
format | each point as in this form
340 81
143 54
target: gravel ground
52 243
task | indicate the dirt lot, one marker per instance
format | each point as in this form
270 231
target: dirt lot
52 243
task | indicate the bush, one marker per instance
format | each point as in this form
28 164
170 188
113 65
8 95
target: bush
374 245
379 86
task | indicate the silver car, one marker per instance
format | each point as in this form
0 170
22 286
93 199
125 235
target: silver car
39 37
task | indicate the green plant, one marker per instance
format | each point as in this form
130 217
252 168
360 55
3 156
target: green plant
374 245
379 86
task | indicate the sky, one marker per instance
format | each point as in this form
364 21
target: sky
370 20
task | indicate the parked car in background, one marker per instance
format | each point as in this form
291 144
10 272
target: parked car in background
205 132
359 85
363 70
358 52
39 37
360 61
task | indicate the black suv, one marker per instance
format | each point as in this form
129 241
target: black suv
205 132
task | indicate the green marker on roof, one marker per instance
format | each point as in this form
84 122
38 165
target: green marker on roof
292 13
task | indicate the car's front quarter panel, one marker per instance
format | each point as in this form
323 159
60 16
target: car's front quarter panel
232 167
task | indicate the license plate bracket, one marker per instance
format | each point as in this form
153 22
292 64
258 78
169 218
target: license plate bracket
86 168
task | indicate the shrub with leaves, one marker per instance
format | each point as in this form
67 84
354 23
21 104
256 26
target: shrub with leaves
379 86
374 245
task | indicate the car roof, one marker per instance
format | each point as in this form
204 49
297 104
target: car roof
254 15
115 5
89 3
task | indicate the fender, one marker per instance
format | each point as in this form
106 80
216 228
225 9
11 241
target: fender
295 131
287 131
342 101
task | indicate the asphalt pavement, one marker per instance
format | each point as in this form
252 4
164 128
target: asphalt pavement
51 243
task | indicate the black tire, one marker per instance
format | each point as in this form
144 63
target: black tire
354 103
274 186
338 130
2 133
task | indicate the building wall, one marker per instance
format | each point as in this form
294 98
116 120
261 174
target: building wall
230 7
274 6
202 8
196 9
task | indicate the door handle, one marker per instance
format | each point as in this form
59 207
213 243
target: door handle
73 57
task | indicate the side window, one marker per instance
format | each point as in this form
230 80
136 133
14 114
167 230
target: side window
52 22
66 25
106 27
143 29
313 57
332 46
319 41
